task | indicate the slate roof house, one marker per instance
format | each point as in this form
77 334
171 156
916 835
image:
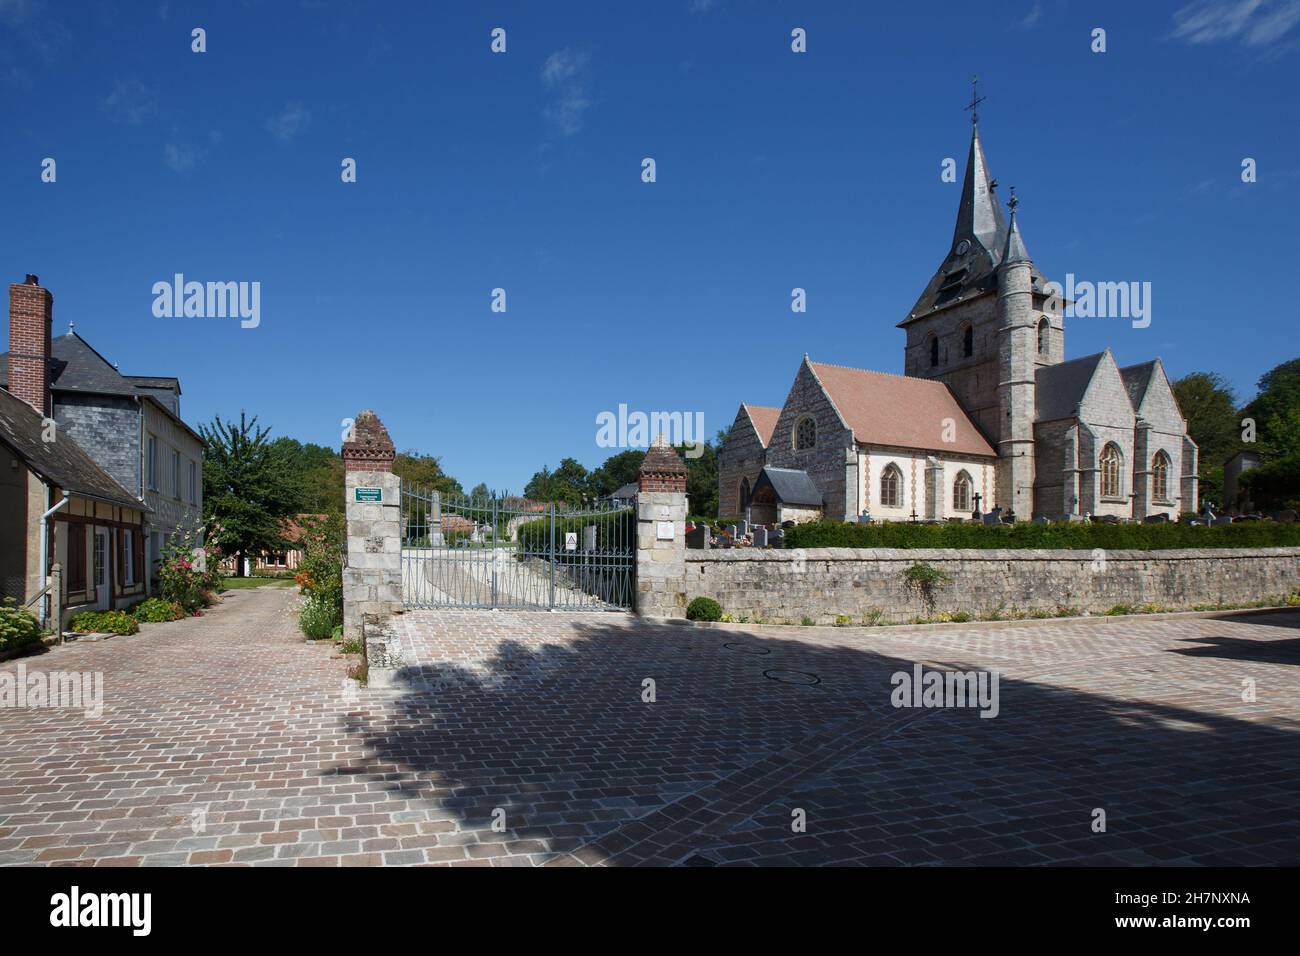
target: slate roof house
987 406
129 425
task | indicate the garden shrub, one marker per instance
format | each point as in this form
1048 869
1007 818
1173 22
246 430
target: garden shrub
320 575
318 618
156 610
105 622
704 609
186 578
1058 535
19 627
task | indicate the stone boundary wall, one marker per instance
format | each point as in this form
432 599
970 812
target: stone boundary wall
868 585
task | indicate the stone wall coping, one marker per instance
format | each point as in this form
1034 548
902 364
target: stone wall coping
781 555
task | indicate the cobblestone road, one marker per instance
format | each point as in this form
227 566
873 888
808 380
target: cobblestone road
226 740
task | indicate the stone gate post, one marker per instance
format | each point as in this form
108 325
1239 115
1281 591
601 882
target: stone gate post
372 570
661 533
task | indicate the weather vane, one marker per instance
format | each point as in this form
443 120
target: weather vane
975 100
1013 202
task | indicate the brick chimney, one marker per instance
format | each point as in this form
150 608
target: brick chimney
31 312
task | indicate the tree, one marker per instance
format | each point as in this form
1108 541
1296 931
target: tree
702 479
1210 407
1276 410
425 472
319 472
248 487
480 491
569 483
617 471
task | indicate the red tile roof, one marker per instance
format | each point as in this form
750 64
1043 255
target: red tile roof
764 420
899 410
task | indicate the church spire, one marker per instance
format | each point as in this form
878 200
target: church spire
1015 250
979 217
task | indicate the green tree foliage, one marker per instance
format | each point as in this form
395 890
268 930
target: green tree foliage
1276 411
317 470
1210 407
702 479
247 487
570 483
425 472
480 491
617 471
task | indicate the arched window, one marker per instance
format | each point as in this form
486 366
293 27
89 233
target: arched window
1160 477
968 342
1043 328
744 495
934 351
891 487
805 434
1111 464
961 493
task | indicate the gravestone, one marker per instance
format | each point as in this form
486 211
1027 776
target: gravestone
776 539
1224 519
760 537
698 537
1160 518
742 528
1286 516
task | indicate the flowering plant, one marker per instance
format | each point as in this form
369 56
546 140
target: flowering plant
190 576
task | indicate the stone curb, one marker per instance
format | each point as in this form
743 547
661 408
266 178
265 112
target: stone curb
1021 622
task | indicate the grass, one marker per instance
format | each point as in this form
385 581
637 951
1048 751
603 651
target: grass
235 583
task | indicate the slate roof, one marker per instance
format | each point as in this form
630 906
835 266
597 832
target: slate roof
61 462
981 234
764 420
76 367
1137 379
1060 388
626 492
900 411
791 487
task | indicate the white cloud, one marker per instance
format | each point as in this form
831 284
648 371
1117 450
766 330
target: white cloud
289 122
181 157
1254 23
130 103
566 75
1030 19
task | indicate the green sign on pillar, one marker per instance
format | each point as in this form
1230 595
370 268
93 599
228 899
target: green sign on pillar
370 494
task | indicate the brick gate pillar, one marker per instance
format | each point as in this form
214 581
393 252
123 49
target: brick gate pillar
661 533
372 570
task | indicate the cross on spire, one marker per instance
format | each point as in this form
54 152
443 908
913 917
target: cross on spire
975 100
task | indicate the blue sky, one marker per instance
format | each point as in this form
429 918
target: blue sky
522 171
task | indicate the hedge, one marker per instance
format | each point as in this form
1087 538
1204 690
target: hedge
1058 535
615 534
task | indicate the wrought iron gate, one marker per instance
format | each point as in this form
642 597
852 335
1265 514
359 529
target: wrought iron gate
511 552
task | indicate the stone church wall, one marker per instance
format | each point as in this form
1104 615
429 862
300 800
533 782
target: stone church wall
823 583
742 457
825 463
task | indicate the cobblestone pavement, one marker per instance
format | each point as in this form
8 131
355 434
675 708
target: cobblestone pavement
531 742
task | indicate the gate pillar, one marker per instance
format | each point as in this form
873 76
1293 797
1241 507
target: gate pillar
372 568
661 533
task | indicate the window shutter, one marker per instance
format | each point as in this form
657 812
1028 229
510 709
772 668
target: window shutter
76 570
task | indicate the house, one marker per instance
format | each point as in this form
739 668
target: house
58 505
130 425
279 562
988 406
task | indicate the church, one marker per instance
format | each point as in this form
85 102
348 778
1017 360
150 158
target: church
988 413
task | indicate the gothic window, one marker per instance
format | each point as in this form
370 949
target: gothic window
934 351
968 342
1160 477
805 434
961 493
1111 463
1043 328
891 487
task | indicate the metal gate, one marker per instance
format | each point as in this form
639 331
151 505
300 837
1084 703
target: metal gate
510 552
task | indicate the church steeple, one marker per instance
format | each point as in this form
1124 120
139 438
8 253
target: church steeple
979 217
978 240
1014 252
